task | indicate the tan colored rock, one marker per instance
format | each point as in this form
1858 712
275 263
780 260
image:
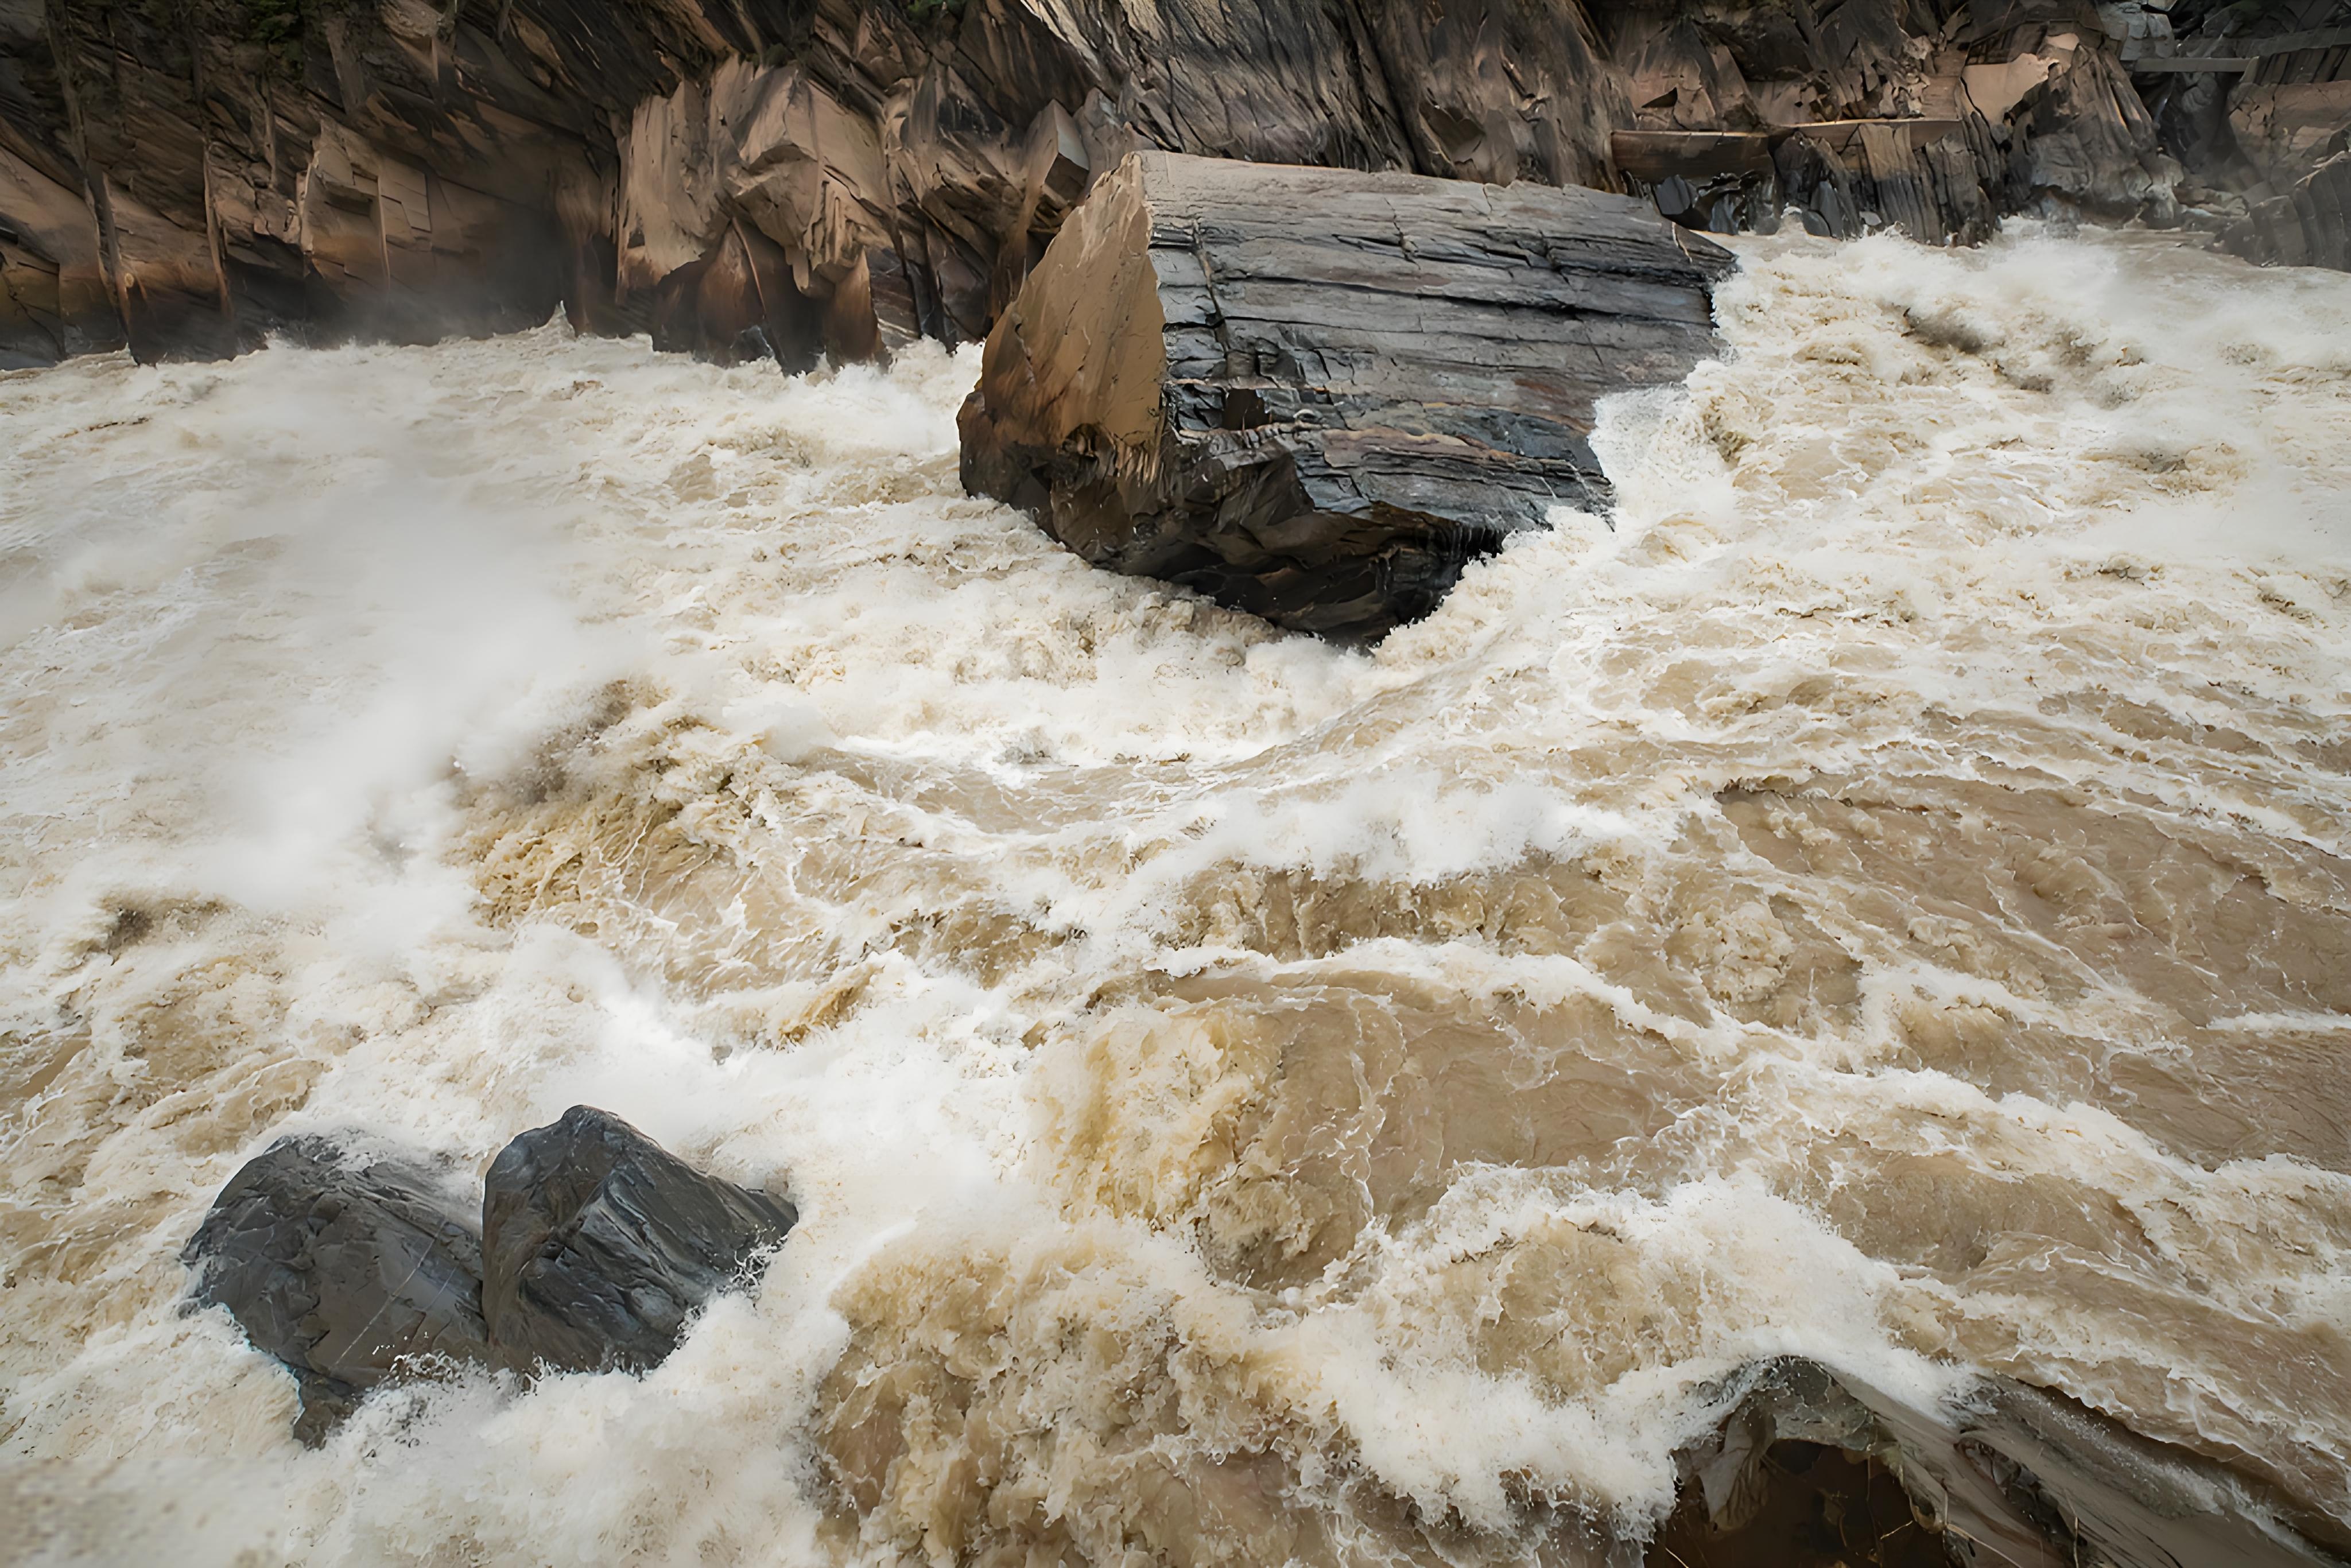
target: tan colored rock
1317 394
53 290
2287 128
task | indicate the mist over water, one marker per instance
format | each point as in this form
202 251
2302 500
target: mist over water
1884 895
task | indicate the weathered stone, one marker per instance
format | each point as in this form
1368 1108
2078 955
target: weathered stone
2088 147
1317 394
354 1269
1810 1466
348 1269
2309 226
599 1245
2286 129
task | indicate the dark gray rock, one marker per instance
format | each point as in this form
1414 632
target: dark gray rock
2309 226
599 1244
355 1270
349 1270
1316 394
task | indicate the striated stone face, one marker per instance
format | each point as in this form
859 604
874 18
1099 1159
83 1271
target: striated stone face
796 176
1316 394
2307 225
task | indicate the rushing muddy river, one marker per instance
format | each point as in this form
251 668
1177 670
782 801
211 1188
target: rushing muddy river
1882 894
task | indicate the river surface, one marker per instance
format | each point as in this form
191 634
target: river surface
1884 893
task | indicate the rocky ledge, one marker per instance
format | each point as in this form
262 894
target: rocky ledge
356 1267
1316 394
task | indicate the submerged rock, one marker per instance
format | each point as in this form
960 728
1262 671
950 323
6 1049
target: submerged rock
355 1270
1316 394
347 1269
1814 1467
599 1244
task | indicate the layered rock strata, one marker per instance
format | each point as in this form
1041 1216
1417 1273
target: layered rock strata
356 1267
1316 394
790 177
1940 122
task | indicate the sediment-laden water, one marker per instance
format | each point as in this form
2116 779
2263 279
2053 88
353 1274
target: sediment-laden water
1883 895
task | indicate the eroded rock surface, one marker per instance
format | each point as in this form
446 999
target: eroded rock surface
599 1244
1316 394
348 1269
1813 1468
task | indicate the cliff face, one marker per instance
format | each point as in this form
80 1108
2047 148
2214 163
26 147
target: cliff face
751 176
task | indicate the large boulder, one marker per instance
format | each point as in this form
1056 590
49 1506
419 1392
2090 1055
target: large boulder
345 1268
599 1245
1316 394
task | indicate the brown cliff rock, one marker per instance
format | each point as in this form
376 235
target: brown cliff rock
749 176
1317 394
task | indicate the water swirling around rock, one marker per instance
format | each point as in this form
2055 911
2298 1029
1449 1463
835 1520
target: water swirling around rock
1882 896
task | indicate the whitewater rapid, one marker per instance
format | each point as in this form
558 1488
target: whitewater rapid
1883 893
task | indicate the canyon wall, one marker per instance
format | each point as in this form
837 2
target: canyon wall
797 176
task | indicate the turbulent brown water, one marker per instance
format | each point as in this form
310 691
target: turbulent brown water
1884 894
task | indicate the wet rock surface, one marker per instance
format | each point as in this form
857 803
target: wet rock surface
354 1267
599 1244
1317 394
346 1269
1811 1466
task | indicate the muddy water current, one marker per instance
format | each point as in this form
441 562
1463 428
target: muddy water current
1881 894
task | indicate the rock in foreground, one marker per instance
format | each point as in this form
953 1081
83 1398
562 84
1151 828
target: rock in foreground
1316 394
599 1245
342 1268
353 1270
